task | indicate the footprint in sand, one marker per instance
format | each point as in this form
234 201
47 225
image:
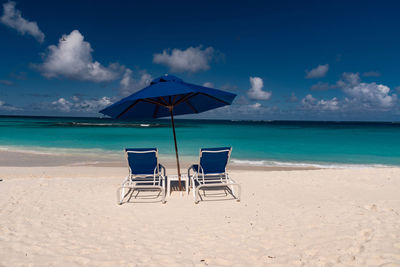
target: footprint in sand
366 234
346 258
355 250
372 207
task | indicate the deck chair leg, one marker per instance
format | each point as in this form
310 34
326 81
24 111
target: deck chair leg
120 195
194 188
196 198
232 189
163 196
239 191
169 188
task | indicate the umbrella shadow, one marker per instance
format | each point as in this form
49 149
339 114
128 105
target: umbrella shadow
175 186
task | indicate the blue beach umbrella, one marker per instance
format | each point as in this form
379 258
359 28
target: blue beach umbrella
168 96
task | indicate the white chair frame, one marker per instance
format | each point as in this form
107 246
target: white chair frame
212 180
143 181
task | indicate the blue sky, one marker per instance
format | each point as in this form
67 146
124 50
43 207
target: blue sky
310 60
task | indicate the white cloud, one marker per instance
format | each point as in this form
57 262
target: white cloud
349 79
208 84
12 17
359 96
75 105
72 58
241 100
246 109
253 109
311 103
7 107
366 95
256 92
318 72
255 106
129 85
62 104
193 59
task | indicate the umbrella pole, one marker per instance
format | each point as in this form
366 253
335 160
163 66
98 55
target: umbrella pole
176 150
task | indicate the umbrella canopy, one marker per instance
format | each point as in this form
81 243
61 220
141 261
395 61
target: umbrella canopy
164 92
168 96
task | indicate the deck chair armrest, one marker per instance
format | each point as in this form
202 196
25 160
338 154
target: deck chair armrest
192 167
163 169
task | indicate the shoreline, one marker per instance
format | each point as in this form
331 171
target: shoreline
25 159
11 156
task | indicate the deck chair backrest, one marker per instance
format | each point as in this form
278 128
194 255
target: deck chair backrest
142 161
214 160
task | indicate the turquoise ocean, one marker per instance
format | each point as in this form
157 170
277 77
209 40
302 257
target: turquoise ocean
269 143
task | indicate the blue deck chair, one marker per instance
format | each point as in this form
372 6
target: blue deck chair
211 172
145 173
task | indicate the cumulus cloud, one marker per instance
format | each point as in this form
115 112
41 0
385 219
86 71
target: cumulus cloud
12 18
318 72
371 74
349 79
7 107
62 104
193 59
129 84
255 106
256 92
248 109
241 100
75 104
208 84
133 81
243 108
311 103
366 95
358 96
72 59
254 109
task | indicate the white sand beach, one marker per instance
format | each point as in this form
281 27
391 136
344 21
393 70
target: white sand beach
68 216
298 101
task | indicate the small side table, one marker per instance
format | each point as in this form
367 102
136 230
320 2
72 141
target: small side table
174 177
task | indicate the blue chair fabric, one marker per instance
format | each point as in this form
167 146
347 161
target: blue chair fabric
214 161
142 163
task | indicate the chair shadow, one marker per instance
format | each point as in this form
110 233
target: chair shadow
142 196
224 193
